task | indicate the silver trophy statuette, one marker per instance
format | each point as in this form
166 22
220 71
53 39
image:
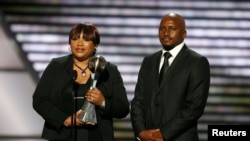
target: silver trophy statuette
96 65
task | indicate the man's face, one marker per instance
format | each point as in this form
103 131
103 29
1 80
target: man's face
171 32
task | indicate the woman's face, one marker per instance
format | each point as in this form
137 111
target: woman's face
81 49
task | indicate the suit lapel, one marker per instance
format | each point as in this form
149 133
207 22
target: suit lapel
66 68
156 64
155 85
155 72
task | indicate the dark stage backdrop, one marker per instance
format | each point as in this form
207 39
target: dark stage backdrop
217 29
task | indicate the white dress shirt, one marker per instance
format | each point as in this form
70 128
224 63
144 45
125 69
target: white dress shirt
174 52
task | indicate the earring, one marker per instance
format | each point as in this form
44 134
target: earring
69 49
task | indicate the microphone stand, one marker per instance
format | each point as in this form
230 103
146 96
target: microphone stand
73 119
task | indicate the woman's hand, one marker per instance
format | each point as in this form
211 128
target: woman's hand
95 97
76 121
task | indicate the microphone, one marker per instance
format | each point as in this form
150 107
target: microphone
74 74
96 65
74 88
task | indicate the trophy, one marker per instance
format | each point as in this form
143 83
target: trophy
96 65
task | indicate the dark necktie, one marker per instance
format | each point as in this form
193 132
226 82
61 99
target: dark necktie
165 66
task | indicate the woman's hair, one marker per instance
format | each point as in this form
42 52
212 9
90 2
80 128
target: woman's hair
90 33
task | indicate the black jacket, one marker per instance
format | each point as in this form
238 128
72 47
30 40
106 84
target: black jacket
57 79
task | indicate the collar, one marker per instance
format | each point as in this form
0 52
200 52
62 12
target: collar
174 51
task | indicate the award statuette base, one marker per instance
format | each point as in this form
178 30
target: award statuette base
88 114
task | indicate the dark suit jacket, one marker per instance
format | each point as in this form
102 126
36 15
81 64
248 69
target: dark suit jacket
178 103
57 80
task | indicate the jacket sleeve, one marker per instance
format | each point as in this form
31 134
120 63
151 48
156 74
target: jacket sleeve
116 101
42 103
138 105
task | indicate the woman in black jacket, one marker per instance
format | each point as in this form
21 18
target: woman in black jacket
54 94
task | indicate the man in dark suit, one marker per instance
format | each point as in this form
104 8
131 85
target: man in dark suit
169 110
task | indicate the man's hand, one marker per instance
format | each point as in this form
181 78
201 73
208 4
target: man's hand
151 135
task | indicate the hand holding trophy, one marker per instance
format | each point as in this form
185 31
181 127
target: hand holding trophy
96 65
